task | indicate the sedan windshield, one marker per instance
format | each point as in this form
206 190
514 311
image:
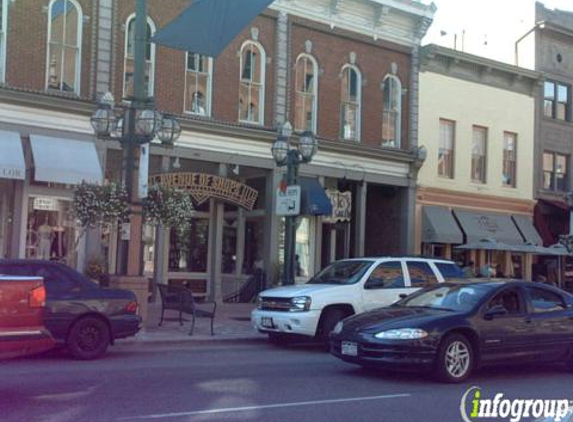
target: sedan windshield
458 298
341 272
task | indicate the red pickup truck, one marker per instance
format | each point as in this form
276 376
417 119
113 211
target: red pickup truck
22 331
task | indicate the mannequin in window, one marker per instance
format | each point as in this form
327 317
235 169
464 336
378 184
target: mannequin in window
44 240
198 103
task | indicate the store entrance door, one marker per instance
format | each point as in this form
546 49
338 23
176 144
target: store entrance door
335 242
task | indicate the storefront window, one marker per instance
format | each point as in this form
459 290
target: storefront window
51 230
229 259
188 247
253 248
302 251
148 249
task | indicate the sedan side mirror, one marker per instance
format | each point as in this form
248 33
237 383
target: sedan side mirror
402 295
495 311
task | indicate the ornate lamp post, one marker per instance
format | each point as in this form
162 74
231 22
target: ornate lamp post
285 155
133 126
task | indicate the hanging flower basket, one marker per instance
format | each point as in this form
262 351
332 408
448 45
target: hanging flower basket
95 205
167 207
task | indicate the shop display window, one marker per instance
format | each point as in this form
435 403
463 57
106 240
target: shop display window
189 247
51 230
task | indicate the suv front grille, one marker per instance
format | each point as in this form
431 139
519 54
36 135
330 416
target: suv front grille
279 304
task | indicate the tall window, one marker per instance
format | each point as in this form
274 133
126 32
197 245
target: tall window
351 96
509 159
64 46
479 151
198 71
252 89
446 149
557 103
129 59
306 93
392 112
3 28
555 172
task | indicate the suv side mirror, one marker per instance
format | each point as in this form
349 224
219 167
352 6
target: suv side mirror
495 311
375 283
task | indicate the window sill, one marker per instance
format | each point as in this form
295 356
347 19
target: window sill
190 113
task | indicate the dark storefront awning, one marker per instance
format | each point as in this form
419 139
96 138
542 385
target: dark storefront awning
526 228
439 226
208 26
314 200
479 226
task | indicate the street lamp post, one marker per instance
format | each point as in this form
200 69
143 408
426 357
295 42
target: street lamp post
284 155
135 125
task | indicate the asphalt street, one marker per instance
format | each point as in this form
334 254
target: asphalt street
252 381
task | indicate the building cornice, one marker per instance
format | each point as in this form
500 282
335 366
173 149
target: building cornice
461 65
397 21
50 112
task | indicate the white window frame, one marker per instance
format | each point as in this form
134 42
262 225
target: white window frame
151 86
209 87
397 141
77 75
250 84
314 124
450 156
476 131
506 137
3 42
358 103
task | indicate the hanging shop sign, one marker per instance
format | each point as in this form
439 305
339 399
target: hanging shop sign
341 206
201 187
42 203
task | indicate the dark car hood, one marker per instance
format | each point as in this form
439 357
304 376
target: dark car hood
394 317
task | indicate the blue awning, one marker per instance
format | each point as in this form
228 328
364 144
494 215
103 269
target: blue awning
313 198
208 26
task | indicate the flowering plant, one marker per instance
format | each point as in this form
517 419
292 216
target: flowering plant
96 205
167 207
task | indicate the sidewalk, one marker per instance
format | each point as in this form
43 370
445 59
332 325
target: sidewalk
232 322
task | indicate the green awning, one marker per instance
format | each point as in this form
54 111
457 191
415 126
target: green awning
439 226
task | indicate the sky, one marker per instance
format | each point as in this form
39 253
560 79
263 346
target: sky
488 28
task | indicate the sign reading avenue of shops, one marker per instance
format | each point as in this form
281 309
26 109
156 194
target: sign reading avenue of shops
203 186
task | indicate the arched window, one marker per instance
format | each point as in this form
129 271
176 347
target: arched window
351 100
3 30
198 76
129 57
252 89
65 21
306 90
392 112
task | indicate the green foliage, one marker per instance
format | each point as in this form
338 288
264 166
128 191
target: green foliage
167 207
97 205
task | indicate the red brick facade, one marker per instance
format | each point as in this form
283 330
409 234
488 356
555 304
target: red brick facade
26 64
27 42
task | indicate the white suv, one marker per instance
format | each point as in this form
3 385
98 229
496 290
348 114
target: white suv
344 288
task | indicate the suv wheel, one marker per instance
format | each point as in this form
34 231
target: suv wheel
455 359
328 321
88 338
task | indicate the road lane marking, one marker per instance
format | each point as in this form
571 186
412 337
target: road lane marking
262 407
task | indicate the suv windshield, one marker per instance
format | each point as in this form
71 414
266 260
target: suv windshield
341 272
458 298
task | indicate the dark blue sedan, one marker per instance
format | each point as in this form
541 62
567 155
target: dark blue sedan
450 329
78 313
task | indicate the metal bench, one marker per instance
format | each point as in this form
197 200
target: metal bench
179 298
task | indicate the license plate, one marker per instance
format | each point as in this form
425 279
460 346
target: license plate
349 348
267 322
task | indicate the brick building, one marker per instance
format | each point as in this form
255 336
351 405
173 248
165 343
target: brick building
347 70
